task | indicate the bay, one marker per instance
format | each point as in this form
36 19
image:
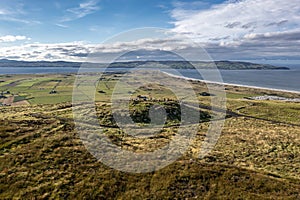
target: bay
273 79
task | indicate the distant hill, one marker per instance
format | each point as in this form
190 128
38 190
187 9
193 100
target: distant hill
14 63
226 65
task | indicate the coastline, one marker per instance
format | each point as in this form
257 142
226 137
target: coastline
232 84
181 77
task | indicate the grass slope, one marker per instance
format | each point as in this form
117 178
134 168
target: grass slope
257 155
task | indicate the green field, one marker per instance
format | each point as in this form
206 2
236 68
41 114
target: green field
41 155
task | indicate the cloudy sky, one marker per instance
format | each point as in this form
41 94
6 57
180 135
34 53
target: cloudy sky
73 29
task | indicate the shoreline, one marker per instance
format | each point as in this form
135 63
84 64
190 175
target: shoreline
182 77
233 84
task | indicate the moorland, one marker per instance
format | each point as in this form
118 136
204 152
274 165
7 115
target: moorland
41 155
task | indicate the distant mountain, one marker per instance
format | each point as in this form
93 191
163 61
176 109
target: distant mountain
226 65
14 63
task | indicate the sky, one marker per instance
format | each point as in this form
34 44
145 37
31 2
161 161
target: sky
71 30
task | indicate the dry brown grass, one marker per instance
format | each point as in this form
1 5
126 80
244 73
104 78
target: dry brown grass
41 156
256 157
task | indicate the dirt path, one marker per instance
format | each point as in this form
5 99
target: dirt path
21 103
235 114
8 100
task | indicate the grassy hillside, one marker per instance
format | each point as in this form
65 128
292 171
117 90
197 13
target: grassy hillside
41 155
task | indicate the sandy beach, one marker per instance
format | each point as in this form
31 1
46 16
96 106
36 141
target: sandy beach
232 84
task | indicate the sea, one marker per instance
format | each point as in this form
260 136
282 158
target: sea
288 80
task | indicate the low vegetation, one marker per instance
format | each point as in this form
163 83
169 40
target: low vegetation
41 155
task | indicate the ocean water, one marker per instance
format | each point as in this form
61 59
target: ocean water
274 79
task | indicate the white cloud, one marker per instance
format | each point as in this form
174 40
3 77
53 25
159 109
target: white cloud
37 51
12 38
84 8
3 11
235 19
243 29
15 13
62 25
287 36
283 45
79 51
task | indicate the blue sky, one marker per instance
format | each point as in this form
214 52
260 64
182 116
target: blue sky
94 20
234 29
76 20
